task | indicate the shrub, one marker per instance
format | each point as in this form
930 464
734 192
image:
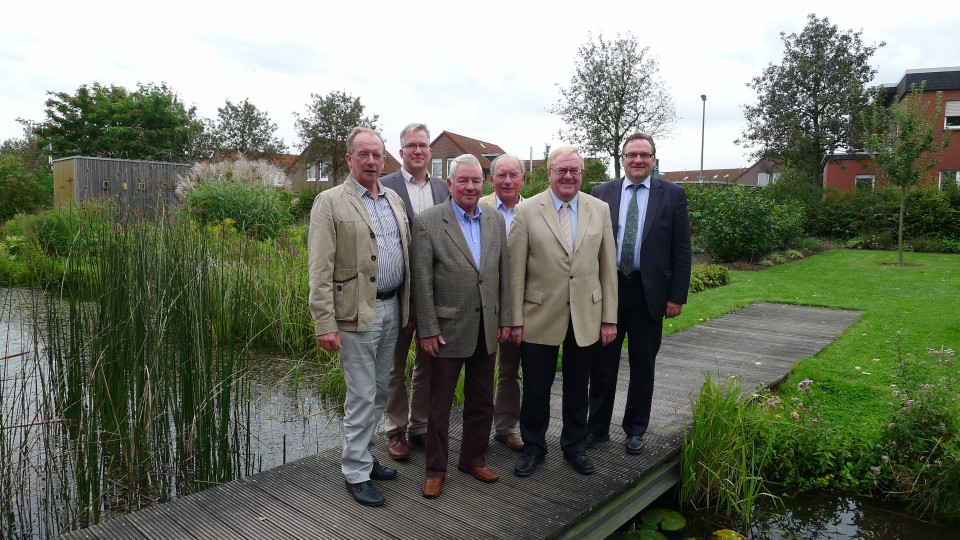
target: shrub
302 201
708 276
921 462
736 223
59 231
258 211
242 171
23 191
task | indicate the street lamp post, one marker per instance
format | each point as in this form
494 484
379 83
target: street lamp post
703 132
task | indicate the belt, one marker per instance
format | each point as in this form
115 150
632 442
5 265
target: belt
386 295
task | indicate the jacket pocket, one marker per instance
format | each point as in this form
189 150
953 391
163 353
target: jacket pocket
346 294
446 312
532 296
597 294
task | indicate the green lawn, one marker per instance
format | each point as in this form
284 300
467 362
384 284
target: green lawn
911 308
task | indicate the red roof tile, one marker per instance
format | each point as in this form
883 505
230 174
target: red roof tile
473 146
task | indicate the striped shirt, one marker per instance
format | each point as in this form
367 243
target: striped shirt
387 233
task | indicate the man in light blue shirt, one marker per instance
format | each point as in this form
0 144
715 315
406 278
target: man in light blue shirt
507 174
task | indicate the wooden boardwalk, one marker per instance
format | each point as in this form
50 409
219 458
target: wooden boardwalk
307 498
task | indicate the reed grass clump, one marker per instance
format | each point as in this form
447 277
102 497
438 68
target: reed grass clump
721 468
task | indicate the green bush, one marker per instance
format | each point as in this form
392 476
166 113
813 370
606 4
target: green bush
258 211
708 276
302 201
22 191
736 223
60 231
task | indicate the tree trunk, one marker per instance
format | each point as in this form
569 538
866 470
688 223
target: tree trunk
616 166
903 204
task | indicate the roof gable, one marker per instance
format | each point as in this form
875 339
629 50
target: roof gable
480 149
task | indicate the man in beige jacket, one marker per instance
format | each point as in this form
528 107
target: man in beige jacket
359 296
563 286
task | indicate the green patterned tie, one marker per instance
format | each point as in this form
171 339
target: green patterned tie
630 234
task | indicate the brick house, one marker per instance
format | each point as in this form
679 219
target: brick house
302 172
447 146
847 171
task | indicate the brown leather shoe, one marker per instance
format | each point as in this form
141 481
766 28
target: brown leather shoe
432 487
420 439
511 440
482 474
397 446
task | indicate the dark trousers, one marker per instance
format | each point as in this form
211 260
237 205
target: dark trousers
539 364
477 408
645 333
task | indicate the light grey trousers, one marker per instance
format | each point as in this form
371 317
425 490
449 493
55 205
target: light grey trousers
366 358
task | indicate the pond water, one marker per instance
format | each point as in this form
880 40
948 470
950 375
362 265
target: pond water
815 516
288 419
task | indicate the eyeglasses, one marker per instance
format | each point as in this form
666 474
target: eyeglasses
564 171
504 175
363 156
413 146
634 155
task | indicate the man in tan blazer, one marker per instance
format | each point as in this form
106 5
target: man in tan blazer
460 283
359 295
563 281
506 172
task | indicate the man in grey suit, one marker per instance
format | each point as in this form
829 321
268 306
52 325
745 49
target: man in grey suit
461 291
419 191
652 227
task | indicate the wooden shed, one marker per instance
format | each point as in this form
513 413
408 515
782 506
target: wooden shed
134 185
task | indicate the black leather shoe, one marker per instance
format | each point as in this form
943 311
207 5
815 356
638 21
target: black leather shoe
527 464
365 493
381 472
593 439
581 463
635 444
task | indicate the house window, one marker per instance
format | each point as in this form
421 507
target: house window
946 177
324 172
763 179
951 115
863 181
774 178
436 168
449 164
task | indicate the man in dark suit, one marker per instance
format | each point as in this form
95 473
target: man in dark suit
419 191
563 290
461 290
652 228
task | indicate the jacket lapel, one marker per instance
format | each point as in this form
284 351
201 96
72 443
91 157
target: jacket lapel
549 215
653 205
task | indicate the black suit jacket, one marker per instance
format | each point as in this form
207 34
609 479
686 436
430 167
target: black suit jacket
665 254
397 183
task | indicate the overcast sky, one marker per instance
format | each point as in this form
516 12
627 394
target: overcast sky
488 71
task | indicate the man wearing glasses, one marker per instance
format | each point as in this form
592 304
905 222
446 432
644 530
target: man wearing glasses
507 173
418 191
359 243
563 286
652 228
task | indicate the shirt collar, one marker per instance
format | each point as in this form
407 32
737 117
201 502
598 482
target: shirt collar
501 205
627 183
407 177
557 202
461 215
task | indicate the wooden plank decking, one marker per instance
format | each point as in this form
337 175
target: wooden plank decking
307 499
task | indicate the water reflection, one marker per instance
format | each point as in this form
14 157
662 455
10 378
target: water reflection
817 516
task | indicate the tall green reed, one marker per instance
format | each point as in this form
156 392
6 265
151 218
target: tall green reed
721 467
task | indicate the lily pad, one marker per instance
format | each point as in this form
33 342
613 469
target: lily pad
668 520
637 535
727 534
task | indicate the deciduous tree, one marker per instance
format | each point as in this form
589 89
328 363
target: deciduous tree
615 90
243 128
323 130
150 123
807 105
906 141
